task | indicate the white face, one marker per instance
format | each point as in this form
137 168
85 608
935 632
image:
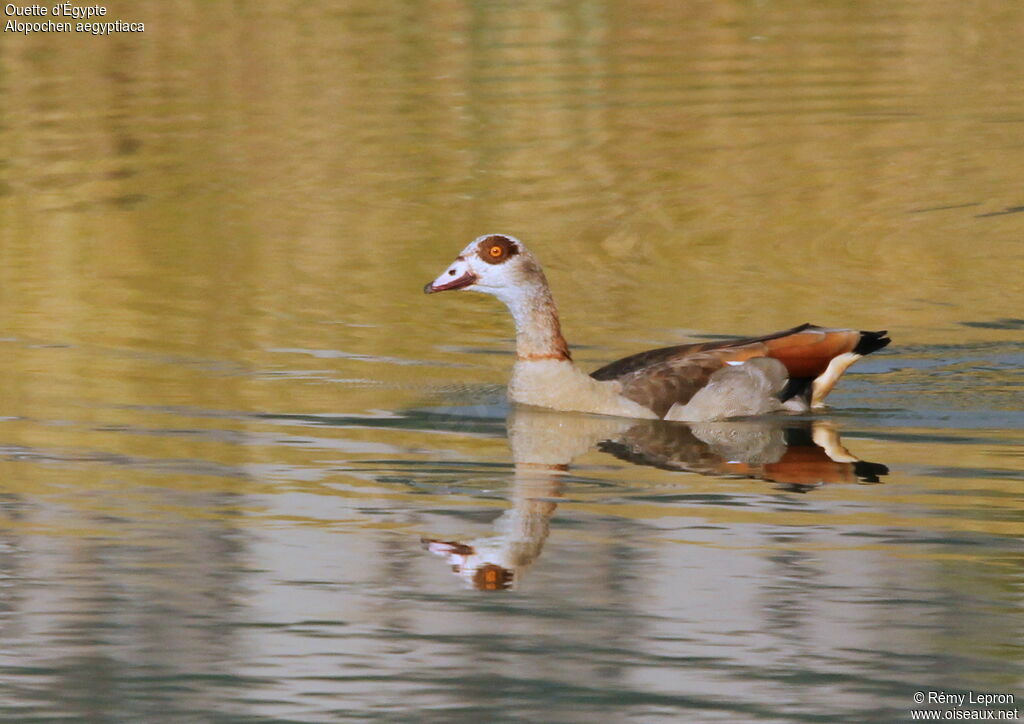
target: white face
492 263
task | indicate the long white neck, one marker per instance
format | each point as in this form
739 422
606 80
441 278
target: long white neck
544 374
538 331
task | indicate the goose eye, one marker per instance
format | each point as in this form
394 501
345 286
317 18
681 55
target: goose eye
496 249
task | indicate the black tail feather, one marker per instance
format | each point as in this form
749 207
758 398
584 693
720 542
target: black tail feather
871 342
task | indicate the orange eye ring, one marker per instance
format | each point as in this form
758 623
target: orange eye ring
495 251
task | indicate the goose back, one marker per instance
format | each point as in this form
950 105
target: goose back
660 378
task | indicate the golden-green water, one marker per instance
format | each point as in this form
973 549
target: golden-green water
240 450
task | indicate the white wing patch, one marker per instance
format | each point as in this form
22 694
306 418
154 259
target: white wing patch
738 390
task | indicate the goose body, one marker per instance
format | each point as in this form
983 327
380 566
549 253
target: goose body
789 370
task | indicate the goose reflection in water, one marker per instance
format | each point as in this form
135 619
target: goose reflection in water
797 456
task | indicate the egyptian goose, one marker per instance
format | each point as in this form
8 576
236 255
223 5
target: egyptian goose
790 370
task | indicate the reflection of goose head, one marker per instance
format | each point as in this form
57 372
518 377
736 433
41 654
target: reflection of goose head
498 561
474 565
543 444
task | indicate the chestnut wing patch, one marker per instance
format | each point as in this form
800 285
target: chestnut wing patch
653 357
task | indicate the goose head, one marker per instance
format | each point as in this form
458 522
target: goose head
495 264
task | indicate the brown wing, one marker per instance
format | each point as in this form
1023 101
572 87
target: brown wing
659 378
661 385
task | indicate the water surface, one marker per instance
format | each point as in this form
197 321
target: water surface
249 472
